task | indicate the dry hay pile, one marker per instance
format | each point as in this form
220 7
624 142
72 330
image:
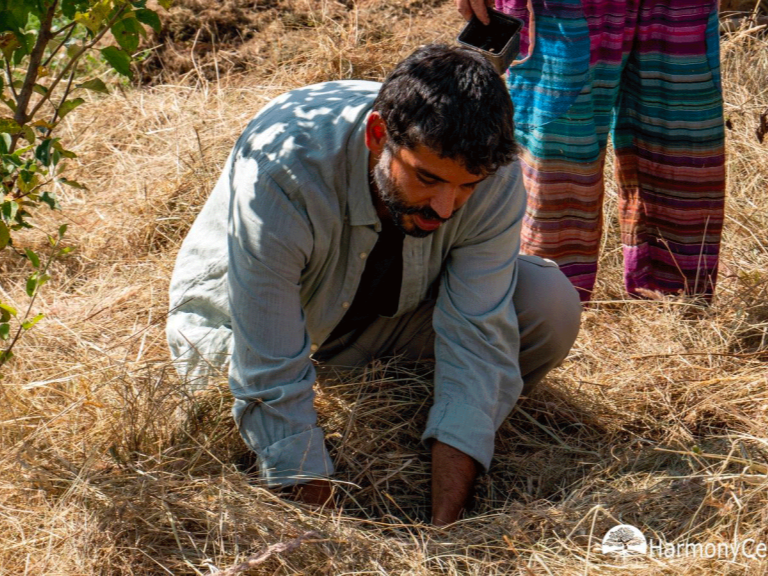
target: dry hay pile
657 419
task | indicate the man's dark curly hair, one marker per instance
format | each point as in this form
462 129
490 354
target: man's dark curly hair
452 101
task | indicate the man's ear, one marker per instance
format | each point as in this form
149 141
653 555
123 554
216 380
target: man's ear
375 133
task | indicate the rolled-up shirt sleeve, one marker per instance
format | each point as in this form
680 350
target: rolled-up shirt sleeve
477 341
271 374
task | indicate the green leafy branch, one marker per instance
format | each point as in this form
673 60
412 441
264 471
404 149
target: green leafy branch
43 44
34 282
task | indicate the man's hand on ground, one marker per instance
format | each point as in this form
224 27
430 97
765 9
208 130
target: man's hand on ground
314 492
477 7
453 476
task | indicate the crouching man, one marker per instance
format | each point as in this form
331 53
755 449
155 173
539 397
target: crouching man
357 220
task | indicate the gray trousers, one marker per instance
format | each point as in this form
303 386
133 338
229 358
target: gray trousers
548 313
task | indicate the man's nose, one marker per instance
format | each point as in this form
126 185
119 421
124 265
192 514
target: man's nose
444 202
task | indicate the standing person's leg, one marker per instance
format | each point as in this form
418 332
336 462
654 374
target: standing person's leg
564 97
563 170
669 140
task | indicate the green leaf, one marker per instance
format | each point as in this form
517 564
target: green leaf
9 209
8 309
9 125
4 315
5 356
8 102
118 59
65 153
33 19
69 105
27 173
5 235
63 230
29 134
95 16
13 159
127 33
19 54
165 3
43 152
65 251
8 42
40 89
70 7
5 143
50 199
96 85
5 331
29 323
71 183
32 284
21 151
28 42
43 125
73 50
33 258
150 18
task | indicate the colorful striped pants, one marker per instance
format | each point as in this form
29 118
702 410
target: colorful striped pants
647 73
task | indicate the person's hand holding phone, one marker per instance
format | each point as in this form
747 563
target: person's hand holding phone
477 7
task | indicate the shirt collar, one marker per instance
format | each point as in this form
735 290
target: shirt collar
360 208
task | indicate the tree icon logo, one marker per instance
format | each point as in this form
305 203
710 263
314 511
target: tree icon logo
624 540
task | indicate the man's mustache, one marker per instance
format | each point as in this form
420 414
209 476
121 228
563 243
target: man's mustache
425 212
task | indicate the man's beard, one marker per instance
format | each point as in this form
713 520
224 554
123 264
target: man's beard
393 197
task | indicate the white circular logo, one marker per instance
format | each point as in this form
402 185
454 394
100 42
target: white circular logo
624 540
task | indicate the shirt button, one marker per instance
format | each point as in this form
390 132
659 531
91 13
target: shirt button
345 305
363 255
314 347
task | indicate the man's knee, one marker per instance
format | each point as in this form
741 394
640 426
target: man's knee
549 315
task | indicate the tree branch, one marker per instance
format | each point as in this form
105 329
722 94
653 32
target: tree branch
35 59
9 73
278 548
56 51
67 90
60 30
20 329
75 58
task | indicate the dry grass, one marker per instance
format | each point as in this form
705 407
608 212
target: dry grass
657 419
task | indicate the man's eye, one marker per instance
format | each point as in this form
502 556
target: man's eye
427 181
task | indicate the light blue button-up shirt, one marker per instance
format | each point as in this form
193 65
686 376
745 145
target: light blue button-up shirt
273 259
